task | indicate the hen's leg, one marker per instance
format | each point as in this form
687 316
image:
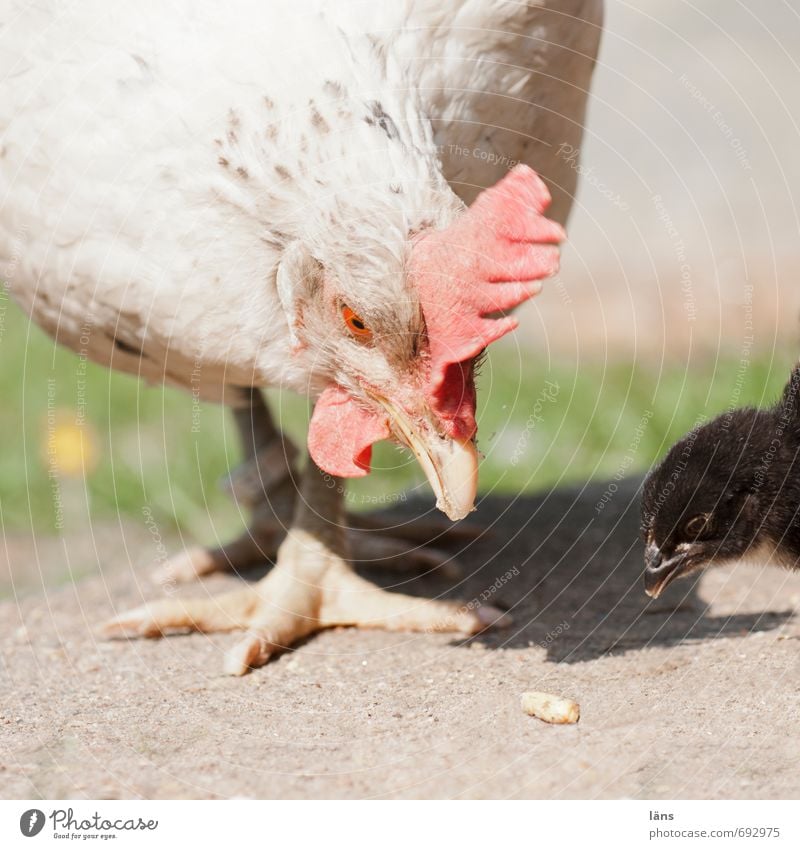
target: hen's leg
266 484
311 587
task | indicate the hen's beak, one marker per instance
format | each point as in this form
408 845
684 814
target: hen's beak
450 465
659 573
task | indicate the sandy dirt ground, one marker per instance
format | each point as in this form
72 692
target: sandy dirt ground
694 696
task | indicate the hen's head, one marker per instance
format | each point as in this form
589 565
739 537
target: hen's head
392 355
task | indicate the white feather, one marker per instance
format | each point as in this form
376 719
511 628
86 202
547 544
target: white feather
157 158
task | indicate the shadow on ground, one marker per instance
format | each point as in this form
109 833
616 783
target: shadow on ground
567 565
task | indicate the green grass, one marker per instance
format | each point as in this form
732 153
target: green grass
603 419
606 419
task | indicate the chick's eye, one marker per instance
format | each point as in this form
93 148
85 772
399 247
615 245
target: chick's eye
355 324
696 525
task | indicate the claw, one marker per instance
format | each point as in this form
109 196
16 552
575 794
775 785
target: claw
249 653
135 623
493 617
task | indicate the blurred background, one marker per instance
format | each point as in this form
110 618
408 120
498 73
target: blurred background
677 299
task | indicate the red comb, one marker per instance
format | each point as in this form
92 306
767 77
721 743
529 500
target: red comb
488 261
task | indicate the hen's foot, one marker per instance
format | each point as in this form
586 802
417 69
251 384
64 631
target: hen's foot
310 588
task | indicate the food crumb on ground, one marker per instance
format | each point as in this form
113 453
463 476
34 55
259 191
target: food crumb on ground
553 709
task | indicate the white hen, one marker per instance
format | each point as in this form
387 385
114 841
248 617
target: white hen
225 196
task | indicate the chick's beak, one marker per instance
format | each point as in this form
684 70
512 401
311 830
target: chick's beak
451 465
660 572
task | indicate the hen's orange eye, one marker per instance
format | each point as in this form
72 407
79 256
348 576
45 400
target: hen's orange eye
355 324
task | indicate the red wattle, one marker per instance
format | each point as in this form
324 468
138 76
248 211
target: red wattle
341 434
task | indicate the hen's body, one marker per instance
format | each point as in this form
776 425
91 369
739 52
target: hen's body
156 159
206 193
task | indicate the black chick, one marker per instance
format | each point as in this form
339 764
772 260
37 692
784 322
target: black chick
729 490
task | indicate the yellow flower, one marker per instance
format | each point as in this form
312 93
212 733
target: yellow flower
71 448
